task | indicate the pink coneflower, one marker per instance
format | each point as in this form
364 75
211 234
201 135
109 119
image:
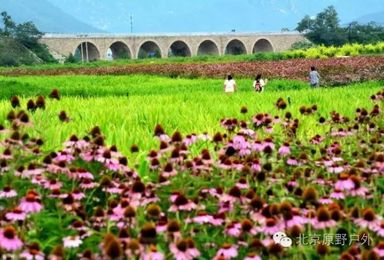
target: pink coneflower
9 240
323 219
380 229
325 200
202 218
379 249
78 195
292 217
74 142
284 149
184 249
153 254
227 251
218 219
292 161
63 156
33 253
252 256
256 165
271 227
31 171
161 225
337 194
181 203
368 220
242 184
72 241
31 203
357 190
344 182
88 184
53 185
233 229
168 171
190 139
84 174
8 192
16 215
334 168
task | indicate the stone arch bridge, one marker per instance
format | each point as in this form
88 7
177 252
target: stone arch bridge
90 47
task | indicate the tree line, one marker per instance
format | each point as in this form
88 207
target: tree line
25 34
325 29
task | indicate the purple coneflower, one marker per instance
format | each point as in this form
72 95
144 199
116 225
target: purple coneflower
337 194
181 203
368 220
323 219
227 251
184 249
31 203
72 241
9 240
284 149
16 215
152 254
32 253
271 226
344 182
8 192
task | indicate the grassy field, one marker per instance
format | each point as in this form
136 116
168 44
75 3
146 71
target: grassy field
127 108
219 199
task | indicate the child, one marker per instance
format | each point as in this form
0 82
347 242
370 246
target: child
229 84
259 83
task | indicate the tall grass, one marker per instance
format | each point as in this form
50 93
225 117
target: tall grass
127 108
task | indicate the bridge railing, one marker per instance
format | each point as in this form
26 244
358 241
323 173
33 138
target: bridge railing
117 35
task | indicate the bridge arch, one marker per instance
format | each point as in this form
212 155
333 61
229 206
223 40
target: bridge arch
179 49
235 47
87 51
263 45
149 49
208 47
119 50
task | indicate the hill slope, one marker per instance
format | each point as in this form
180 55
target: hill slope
377 17
12 53
46 16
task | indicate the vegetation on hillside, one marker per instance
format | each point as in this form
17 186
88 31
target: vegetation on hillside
325 29
19 44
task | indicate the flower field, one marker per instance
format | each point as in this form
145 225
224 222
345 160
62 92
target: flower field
334 71
148 167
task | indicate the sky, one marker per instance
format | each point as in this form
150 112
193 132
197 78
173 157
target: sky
182 16
207 15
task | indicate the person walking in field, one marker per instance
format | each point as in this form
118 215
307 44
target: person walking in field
259 83
230 84
314 77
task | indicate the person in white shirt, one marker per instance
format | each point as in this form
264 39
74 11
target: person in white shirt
314 78
259 83
229 85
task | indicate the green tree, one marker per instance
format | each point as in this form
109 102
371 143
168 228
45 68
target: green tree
26 34
324 29
9 25
364 33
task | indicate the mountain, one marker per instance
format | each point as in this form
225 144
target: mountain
46 16
377 17
177 16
